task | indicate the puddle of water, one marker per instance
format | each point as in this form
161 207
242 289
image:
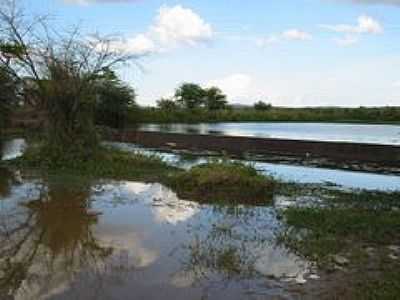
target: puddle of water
112 240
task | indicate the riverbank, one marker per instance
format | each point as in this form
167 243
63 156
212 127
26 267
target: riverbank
384 159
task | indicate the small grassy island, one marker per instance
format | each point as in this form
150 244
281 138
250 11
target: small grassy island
226 182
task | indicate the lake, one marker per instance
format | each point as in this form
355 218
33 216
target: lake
356 133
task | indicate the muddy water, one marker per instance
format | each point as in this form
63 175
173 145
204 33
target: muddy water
65 238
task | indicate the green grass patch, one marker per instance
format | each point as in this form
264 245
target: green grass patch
105 163
319 233
345 237
229 182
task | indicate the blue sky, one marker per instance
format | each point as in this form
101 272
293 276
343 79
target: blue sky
287 52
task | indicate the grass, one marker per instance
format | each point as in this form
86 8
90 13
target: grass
347 228
330 231
106 163
224 182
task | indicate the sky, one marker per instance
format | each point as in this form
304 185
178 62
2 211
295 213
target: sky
285 52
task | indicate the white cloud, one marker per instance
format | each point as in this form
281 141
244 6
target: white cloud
176 25
140 45
172 27
235 86
346 41
365 24
296 34
397 84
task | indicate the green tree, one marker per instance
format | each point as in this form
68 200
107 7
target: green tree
113 100
8 95
64 68
166 104
260 105
215 99
190 95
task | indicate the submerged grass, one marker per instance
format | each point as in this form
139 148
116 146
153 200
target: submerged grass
224 182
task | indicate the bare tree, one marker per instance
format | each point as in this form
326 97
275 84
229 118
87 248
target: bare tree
59 69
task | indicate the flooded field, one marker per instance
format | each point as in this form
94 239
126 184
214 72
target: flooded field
308 175
288 173
358 133
71 237
63 239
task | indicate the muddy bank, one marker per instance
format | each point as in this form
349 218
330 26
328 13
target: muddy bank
350 156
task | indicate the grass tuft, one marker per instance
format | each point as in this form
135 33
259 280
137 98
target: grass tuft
231 182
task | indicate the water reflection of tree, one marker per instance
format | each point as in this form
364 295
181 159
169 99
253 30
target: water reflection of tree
53 233
5 181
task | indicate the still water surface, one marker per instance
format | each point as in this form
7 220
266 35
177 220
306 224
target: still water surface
12 148
359 133
64 238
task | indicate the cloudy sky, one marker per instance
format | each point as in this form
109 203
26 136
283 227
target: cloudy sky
287 52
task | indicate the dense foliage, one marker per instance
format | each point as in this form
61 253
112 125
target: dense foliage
193 104
61 69
260 105
273 114
113 99
191 96
8 95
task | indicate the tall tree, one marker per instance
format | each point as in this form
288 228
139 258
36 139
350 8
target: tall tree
166 104
8 95
113 100
190 95
260 105
215 99
63 67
